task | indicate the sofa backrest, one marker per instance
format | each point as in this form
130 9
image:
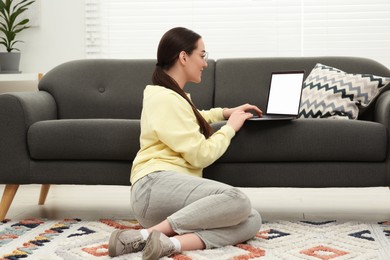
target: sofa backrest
111 88
242 80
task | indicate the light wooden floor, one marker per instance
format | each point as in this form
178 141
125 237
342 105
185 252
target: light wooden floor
96 202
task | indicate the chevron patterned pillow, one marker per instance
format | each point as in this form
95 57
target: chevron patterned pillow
332 93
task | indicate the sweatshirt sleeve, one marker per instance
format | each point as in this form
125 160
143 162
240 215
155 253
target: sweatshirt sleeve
173 120
213 115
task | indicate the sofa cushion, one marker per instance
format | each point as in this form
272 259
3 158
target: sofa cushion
330 92
246 80
87 139
112 88
308 140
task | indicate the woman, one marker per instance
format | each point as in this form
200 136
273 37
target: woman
180 210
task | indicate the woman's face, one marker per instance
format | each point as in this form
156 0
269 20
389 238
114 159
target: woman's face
196 63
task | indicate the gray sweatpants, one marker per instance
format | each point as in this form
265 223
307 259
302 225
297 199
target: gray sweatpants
218 213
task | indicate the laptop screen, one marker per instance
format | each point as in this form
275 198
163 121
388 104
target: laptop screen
285 93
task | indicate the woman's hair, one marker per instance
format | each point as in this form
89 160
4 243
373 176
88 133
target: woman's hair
171 45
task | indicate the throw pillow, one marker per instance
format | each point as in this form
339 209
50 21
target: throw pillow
330 92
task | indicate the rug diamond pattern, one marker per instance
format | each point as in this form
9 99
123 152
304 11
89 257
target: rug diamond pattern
311 240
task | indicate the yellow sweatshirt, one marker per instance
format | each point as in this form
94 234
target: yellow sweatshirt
170 136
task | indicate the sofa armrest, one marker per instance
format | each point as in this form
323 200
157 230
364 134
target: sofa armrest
382 109
382 114
17 112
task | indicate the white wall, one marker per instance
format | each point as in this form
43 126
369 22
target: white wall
60 37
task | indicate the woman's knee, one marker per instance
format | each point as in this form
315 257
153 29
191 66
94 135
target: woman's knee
255 222
240 202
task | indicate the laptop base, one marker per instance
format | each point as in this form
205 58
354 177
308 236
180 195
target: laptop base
271 117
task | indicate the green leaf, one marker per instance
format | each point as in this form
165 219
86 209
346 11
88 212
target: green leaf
23 22
22 5
20 29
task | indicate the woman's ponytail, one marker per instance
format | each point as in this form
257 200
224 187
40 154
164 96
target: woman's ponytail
161 78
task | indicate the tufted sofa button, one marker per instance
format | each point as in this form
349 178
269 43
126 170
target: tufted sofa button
101 90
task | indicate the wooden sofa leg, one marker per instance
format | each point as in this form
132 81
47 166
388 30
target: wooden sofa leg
44 190
8 196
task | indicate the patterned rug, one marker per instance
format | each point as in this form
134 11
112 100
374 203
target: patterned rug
76 239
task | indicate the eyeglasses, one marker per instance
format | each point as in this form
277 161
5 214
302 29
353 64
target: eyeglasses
205 56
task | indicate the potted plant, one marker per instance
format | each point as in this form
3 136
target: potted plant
11 24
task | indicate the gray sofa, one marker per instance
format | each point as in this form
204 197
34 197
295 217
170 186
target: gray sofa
82 127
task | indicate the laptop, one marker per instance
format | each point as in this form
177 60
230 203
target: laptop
284 97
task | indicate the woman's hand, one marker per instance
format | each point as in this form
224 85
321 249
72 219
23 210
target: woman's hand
227 112
238 115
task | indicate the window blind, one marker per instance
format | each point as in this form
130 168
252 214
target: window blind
242 28
347 28
93 32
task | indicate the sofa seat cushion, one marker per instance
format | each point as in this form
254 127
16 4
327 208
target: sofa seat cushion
84 139
308 140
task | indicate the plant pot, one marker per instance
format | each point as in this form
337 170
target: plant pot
9 62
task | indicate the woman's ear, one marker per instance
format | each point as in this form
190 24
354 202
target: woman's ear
183 57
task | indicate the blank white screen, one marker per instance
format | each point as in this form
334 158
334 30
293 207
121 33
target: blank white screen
285 94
